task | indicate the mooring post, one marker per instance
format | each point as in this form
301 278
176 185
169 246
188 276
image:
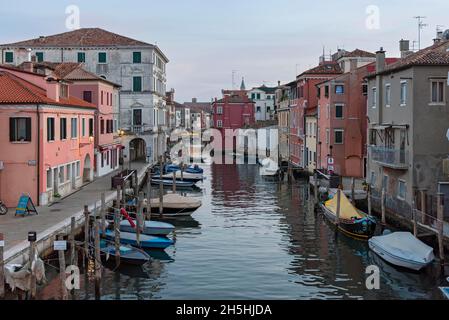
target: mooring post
440 226
161 190
62 266
139 209
368 195
353 191
103 213
415 222
384 220
338 207
117 227
97 261
32 237
148 215
73 258
423 206
315 188
174 181
182 171
86 233
2 265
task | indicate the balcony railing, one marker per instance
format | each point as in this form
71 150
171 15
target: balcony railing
388 157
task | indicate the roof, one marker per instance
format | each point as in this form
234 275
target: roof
198 106
328 67
359 53
15 90
235 99
268 90
84 37
435 55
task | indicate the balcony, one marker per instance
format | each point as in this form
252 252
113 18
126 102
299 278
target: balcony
391 158
140 130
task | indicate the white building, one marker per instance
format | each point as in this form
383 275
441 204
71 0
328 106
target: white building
139 67
263 98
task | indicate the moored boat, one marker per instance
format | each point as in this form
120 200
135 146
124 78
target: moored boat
151 228
175 203
128 254
402 249
146 241
191 177
351 221
169 183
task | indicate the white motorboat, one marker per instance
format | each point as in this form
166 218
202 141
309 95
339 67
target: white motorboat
402 249
269 168
186 176
176 204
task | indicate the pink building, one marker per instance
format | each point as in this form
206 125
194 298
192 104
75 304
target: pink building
46 138
234 111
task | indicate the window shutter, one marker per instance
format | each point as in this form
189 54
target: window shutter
28 129
12 129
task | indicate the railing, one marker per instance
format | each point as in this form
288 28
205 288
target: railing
142 129
393 158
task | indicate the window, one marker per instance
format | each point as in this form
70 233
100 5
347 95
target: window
74 128
137 57
102 57
102 97
253 96
69 171
102 159
78 169
63 128
365 89
437 91
49 179
20 129
327 136
339 89
385 183
87 96
64 92
101 126
61 175
326 91
39 56
338 111
388 95
403 93
81 57
91 127
137 84
258 109
374 97
219 124
219 110
402 189
338 139
50 129
328 108
83 127
9 57
258 96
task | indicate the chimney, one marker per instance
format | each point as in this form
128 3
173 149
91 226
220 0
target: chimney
53 89
27 66
380 60
194 100
404 48
352 65
279 83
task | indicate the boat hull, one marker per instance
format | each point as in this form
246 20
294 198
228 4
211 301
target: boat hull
149 242
133 257
152 228
169 183
361 229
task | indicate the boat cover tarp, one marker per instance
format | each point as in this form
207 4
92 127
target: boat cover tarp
347 210
404 245
176 201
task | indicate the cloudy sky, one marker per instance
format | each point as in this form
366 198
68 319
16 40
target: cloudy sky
262 40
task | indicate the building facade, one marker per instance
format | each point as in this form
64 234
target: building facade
263 98
138 67
311 134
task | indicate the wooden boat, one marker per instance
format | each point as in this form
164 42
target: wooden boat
191 177
175 203
151 228
169 183
352 221
146 241
402 249
128 254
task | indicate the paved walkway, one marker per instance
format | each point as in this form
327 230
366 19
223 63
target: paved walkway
58 215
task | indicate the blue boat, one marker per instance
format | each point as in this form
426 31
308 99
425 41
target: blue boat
169 183
146 241
152 228
128 254
169 168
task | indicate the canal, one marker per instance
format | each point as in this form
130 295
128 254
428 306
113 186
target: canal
256 239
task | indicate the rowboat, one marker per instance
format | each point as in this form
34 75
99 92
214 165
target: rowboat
128 254
150 228
146 241
402 249
352 221
169 183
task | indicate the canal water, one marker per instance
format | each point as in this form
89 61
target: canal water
256 239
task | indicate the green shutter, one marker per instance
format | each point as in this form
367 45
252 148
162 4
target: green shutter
102 57
137 57
137 84
28 129
81 57
40 56
9 57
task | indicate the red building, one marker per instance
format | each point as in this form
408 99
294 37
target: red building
306 97
232 112
342 121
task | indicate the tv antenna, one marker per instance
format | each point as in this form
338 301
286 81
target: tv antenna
421 26
234 72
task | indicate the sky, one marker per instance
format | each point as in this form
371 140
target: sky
207 41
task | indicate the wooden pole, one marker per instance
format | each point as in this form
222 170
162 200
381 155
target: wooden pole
315 188
2 270
139 209
97 261
440 225
148 216
161 190
338 207
103 213
117 227
86 232
369 200
32 285
174 181
62 266
384 220
415 222
423 206
182 171
73 260
353 191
